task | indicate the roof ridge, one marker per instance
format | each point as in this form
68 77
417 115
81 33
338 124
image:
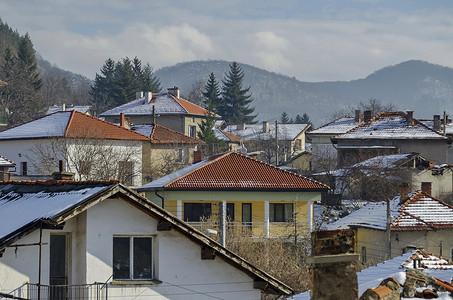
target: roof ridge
427 127
60 182
176 132
200 167
68 124
335 120
177 101
360 125
415 217
103 121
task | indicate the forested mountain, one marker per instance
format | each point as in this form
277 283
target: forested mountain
412 85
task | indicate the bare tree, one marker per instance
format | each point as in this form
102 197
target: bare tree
374 105
89 158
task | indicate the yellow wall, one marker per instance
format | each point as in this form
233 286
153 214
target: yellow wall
299 200
192 121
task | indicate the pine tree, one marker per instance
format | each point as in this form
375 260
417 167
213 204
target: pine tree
305 119
298 120
119 81
26 55
211 93
235 107
284 119
206 132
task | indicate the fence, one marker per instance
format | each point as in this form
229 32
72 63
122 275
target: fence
29 291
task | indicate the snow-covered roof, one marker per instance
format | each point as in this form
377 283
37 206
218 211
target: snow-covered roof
390 125
419 212
164 104
29 203
385 161
255 131
225 136
426 260
4 162
80 108
371 277
336 127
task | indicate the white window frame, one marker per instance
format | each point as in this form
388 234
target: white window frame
131 257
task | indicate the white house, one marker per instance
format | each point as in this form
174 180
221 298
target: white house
69 141
101 240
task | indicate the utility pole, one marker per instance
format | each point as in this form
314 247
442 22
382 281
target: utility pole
445 122
389 237
276 143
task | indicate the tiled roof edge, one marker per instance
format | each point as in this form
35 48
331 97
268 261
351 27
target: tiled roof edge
194 140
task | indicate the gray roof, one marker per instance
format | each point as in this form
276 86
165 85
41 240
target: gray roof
390 125
53 125
255 131
336 127
80 108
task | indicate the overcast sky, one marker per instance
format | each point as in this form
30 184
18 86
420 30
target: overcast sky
317 40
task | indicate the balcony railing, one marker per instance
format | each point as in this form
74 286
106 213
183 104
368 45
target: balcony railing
30 291
257 229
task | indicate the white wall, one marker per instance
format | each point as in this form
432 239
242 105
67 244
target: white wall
178 263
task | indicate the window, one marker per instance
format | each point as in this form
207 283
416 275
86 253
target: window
194 212
281 212
192 131
298 144
363 256
84 167
132 258
230 212
126 172
179 155
23 168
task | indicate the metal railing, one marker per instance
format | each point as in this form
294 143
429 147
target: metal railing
29 291
257 229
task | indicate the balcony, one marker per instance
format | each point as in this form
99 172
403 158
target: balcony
32 291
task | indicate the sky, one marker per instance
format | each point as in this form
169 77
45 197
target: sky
312 40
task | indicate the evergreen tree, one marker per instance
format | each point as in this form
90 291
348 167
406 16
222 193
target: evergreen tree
298 120
119 81
211 93
305 119
235 106
284 119
26 55
206 132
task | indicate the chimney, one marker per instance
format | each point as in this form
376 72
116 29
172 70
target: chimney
357 116
265 127
241 126
148 96
426 187
410 117
196 156
174 91
367 115
436 126
122 120
63 107
138 95
404 191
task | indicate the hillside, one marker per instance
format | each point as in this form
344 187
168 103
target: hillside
411 85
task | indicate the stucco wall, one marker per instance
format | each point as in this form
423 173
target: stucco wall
441 184
177 260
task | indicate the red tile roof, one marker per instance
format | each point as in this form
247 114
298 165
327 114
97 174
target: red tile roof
235 171
82 125
164 135
427 260
190 107
423 212
232 137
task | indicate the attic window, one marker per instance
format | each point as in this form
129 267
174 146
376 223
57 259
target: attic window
132 258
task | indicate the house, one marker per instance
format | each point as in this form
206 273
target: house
409 168
100 238
5 164
301 163
265 199
390 133
167 150
84 109
290 139
166 109
233 142
427 262
322 148
70 141
417 221
447 130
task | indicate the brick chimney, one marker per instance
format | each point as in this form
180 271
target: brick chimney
367 115
196 156
122 119
427 187
138 95
357 116
436 119
265 127
148 96
404 191
174 91
410 117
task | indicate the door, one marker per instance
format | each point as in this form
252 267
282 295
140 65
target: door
58 266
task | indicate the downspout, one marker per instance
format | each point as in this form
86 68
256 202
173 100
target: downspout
162 198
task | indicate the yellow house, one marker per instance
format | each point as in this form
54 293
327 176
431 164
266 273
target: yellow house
259 197
418 221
